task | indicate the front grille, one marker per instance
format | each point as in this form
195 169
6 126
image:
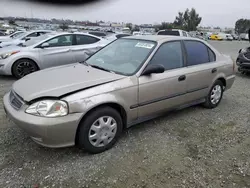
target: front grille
247 55
15 101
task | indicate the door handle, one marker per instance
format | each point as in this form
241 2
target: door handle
214 70
182 78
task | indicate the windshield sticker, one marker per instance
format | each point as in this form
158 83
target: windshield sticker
144 45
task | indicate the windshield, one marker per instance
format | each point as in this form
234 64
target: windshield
16 35
124 56
35 40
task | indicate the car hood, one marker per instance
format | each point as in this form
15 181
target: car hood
58 81
11 48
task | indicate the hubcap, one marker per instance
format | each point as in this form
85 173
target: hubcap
25 68
216 94
102 131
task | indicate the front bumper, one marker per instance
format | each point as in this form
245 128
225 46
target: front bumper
48 132
4 66
242 61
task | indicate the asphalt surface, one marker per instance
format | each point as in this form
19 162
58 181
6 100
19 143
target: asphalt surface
194 147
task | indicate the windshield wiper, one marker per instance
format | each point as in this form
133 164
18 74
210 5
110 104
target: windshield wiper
96 66
85 63
101 68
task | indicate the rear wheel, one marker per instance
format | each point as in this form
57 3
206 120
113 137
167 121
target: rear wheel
99 130
23 67
214 97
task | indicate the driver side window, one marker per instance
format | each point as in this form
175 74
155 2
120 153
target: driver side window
169 55
63 40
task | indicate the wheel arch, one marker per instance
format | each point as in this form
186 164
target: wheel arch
119 108
24 58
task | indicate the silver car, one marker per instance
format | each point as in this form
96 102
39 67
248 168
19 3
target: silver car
46 51
11 36
23 37
129 81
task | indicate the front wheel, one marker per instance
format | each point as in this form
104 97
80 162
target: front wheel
99 130
214 97
23 67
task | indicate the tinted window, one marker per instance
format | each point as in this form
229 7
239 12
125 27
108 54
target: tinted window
64 40
2 34
197 53
184 34
169 55
212 57
169 32
35 34
122 35
84 39
99 34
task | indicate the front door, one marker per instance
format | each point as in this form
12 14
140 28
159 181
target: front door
58 53
160 92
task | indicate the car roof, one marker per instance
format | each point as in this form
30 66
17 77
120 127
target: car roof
160 38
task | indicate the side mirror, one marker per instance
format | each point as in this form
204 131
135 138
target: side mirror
26 39
45 45
150 69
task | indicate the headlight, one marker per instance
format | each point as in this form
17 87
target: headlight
243 50
48 108
6 55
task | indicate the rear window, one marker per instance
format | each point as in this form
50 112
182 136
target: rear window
169 32
98 34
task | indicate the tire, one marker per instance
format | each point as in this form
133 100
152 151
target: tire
87 128
23 67
209 103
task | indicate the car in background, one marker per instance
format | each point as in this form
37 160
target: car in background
173 32
23 37
11 36
97 33
89 104
2 34
113 37
244 36
235 37
49 50
215 37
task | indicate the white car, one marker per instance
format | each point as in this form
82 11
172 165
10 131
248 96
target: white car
174 32
49 50
11 36
23 37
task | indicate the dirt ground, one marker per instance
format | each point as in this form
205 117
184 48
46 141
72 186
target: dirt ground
191 148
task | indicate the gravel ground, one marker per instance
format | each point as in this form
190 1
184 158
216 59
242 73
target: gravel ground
194 147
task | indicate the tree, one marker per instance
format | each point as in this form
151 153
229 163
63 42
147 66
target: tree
189 20
136 28
12 22
64 26
129 25
242 26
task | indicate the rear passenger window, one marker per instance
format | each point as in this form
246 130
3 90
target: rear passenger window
169 55
85 39
184 34
212 57
197 53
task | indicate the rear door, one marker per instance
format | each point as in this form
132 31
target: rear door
202 69
159 92
58 52
84 46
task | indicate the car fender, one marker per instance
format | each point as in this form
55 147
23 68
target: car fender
21 55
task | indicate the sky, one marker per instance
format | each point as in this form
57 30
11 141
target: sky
221 13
